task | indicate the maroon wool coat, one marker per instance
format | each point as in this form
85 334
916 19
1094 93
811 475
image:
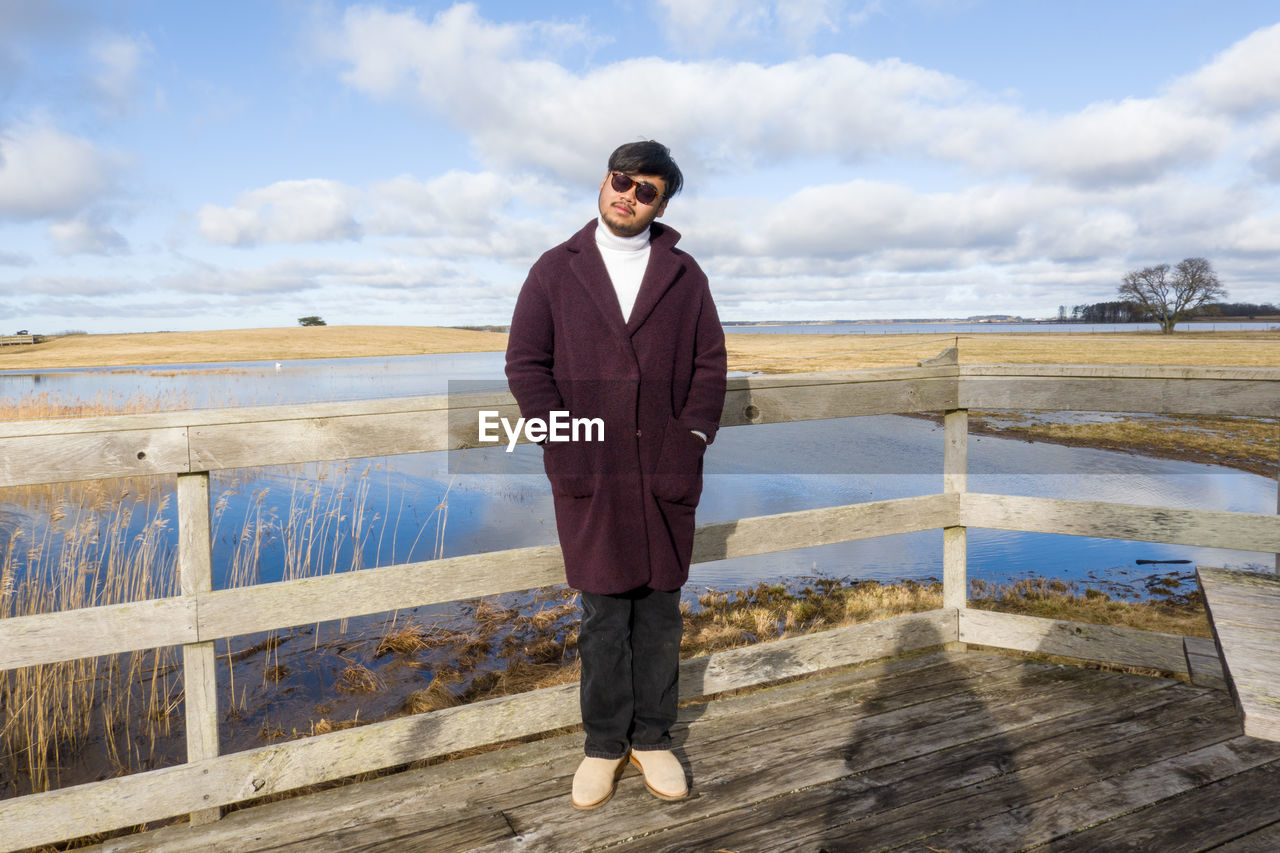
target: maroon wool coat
624 506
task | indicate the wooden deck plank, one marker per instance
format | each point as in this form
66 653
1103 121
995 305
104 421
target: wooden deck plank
540 772
915 799
1244 613
1198 820
1039 819
1264 840
739 767
865 758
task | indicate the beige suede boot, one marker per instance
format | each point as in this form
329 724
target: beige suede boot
595 781
663 775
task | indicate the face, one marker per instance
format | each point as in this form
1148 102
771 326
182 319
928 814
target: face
622 213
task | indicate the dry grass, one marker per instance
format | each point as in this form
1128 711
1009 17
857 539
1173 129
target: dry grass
1176 611
770 353
767 353
49 406
725 620
358 678
87 555
1249 444
247 345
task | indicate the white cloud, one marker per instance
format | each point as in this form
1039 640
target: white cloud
47 173
89 234
457 215
704 25
1129 141
284 212
1243 78
520 111
118 59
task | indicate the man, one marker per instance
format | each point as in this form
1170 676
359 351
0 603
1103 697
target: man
618 324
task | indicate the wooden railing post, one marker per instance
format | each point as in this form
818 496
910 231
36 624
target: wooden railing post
199 665
955 472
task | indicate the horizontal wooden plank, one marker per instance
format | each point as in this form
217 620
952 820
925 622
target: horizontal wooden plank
1173 395
761 402
218 446
248 610
824 526
1104 643
102 806
28 460
266 607
1123 371
1204 528
115 628
780 659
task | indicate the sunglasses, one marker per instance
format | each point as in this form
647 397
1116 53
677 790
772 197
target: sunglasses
645 193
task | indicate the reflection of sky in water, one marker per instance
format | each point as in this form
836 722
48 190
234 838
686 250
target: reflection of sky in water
752 471
261 383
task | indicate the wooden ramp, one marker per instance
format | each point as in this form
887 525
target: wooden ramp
955 751
1244 610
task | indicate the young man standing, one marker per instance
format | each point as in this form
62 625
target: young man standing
618 324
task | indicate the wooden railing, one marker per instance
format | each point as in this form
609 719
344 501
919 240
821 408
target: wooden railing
191 444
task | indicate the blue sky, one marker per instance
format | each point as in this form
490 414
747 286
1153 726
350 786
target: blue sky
230 165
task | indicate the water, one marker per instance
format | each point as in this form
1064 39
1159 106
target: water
259 383
414 508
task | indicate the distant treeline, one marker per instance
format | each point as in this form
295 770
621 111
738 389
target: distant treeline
1132 312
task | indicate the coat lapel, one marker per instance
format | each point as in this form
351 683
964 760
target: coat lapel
664 266
588 266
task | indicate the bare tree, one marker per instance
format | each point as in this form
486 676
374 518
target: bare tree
1171 298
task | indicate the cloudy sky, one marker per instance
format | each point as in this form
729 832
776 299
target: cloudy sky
240 164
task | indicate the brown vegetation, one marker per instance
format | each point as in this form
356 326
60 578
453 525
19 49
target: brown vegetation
247 345
769 353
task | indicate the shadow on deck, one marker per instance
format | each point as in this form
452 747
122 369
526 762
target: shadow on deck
945 751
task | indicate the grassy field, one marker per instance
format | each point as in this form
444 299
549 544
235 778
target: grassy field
766 353
246 345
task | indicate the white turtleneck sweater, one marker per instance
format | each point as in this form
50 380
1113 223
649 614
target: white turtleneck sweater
625 258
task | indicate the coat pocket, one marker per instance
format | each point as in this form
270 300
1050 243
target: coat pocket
678 476
568 470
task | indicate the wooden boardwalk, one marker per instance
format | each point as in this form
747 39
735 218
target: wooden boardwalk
945 751
1244 610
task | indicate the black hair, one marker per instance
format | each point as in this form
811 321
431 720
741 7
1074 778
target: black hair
648 158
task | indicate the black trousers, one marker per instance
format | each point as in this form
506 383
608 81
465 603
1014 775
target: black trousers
630 649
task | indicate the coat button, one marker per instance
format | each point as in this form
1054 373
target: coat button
637 433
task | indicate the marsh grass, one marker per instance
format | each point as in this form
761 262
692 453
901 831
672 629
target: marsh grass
113 551
50 406
1248 444
70 546
1174 605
